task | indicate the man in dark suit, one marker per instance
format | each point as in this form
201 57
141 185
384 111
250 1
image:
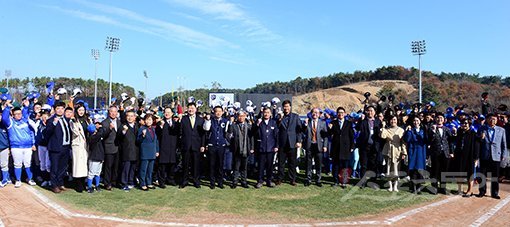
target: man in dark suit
316 143
168 137
369 142
129 149
59 136
267 131
493 151
111 148
289 138
342 145
193 143
440 152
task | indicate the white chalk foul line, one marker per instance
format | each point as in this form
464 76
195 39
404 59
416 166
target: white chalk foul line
64 212
388 221
50 203
391 220
350 223
418 210
491 212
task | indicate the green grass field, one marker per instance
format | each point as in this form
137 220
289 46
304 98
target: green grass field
282 204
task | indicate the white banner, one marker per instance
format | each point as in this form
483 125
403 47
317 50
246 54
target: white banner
221 99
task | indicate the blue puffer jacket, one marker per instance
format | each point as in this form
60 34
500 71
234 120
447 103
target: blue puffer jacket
20 133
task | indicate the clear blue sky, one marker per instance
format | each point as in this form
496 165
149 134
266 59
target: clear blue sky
242 43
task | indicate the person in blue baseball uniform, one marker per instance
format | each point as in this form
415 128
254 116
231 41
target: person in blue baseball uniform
149 150
21 138
4 155
216 130
4 144
267 130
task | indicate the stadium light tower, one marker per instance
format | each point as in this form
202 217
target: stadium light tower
95 55
8 74
112 45
418 48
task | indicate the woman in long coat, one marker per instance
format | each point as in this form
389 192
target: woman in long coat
416 140
467 145
394 150
79 146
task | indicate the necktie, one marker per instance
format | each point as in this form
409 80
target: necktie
340 123
114 122
192 120
66 131
314 132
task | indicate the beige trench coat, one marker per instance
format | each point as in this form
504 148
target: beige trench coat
79 150
394 147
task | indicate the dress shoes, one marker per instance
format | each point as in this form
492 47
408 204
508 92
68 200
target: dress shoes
56 190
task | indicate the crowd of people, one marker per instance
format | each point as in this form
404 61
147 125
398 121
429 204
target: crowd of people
61 144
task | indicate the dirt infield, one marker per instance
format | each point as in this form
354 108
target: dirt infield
28 207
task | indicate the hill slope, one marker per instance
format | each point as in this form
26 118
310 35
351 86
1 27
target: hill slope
348 96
